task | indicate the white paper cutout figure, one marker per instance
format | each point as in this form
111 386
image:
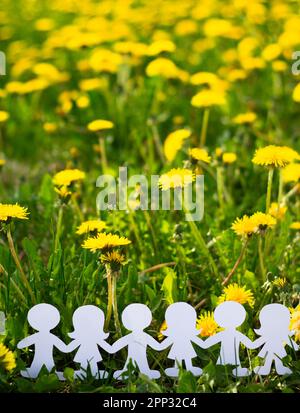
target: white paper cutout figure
230 315
88 334
135 318
43 318
275 334
181 332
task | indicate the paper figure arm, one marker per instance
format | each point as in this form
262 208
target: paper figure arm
153 343
247 342
27 341
119 344
201 343
58 343
255 344
165 344
107 347
71 346
211 341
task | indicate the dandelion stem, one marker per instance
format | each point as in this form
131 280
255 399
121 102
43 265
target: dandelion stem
58 228
115 275
18 264
109 296
261 259
280 188
237 263
103 153
220 186
292 192
269 189
157 142
204 127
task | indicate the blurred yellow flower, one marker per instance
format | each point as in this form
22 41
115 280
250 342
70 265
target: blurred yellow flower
202 78
208 98
90 226
295 322
277 212
296 93
291 173
207 324
160 46
274 156
200 155
271 52
240 294
67 177
162 328
63 192
229 157
174 142
295 225
245 118
113 258
176 178
50 127
104 241
2 162
7 358
3 116
280 282
9 211
100 124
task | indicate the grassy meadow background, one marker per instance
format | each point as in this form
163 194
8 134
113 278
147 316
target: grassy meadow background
133 63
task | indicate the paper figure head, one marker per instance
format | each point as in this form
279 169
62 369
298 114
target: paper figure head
136 317
230 314
88 322
181 319
43 317
275 321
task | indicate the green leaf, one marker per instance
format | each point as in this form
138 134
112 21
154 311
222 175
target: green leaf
169 286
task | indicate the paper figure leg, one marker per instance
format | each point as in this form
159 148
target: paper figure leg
240 372
196 371
174 371
264 370
280 368
33 371
121 374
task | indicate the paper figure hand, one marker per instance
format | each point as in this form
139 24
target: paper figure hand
154 344
107 347
71 346
253 344
164 344
26 342
119 344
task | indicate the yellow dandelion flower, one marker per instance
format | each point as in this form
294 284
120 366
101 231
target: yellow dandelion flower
274 156
202 78
207 324
174 142
50 127
162 67
245 118
67 177
176 178
113 257
229 157
104 241
208 98
7 358
263 221
291 173
2 162
162 328
295 322
3 116
235 292
277 212
8 211
160 46
200 155
63 192
295 225
99 124
296 93
280 282
244 226
90 226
